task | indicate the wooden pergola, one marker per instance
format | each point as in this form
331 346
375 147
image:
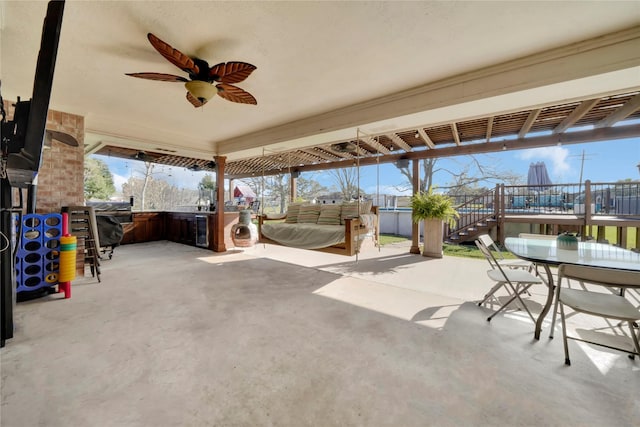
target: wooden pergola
552 125
584 121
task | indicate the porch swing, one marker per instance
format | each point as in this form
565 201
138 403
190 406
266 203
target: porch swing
342 229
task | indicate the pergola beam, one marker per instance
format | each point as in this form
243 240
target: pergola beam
429 143
577 114
338 153
603 134
531 118
489 128
320 153
94 148
373 143
621 113
456 135
399 142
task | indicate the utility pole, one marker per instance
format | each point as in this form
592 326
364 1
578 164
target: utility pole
583 157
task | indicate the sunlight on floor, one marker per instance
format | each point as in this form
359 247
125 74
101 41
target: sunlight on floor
224 258
602 359
423 308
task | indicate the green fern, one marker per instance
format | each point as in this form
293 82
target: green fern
430 205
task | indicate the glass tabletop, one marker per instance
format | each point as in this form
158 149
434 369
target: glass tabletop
588 253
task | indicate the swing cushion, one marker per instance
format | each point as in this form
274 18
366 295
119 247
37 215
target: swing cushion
304 236
329 215
292 213
309 214
349 210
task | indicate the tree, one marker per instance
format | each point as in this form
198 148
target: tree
98 180
159 194
207 183
347 181
466 179
428 169
207 189
147 176
277 189
309 189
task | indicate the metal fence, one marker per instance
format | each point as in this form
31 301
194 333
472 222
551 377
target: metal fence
613 199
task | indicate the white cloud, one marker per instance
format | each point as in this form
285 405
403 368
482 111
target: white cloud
556 156
118 180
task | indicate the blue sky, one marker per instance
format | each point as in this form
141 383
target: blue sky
606 161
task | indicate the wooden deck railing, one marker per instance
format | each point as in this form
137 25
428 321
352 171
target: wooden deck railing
553 207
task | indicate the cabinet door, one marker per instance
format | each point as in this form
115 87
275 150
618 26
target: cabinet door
172 228
155 228
190 231
140 230
128 237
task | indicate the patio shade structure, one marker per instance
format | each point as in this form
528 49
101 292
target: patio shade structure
538 176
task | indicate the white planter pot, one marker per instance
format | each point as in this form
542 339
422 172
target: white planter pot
433 236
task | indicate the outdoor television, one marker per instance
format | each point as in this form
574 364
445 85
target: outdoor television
25 134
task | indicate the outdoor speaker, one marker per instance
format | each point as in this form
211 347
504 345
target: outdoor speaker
402 163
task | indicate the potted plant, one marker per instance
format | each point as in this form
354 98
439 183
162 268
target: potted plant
434 209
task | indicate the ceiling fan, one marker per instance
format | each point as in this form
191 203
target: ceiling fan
63 137
344 147
208 166
200 84
143 156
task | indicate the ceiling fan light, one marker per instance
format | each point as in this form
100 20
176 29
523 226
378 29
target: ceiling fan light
201 90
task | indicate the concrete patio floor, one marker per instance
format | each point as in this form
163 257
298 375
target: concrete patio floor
180 336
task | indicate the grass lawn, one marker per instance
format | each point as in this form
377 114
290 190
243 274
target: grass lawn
387 239
610 233
465 251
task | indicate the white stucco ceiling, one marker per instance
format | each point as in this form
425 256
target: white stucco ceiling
322 67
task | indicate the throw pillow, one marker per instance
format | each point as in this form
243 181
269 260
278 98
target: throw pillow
309 214
365 207
329 215
292 214
349 210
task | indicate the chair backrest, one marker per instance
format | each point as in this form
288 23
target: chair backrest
488 243
600 276
495 265
486 253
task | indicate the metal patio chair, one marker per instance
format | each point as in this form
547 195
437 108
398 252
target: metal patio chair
515 280
612 305
490 245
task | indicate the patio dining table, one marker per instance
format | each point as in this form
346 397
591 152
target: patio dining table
545 252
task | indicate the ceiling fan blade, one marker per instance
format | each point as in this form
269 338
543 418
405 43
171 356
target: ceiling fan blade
65 138
174 56
235 94
158 76
231 72
195 101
